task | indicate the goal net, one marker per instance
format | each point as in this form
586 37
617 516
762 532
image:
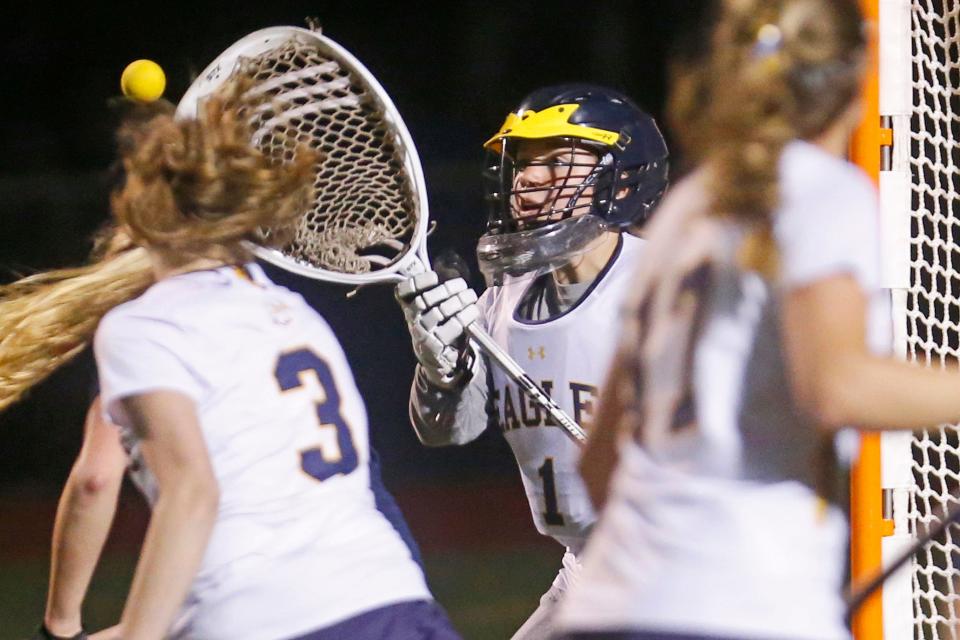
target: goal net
920 198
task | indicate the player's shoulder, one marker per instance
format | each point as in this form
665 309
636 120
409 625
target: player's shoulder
825 202
828 219
164 300
820 183
142 316
620 269
142 307
802 162
182 301
487 302
631 248
488 297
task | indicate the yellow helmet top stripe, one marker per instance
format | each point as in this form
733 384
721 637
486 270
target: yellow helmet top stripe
549 123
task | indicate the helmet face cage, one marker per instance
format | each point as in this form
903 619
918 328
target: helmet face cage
557 197
621 195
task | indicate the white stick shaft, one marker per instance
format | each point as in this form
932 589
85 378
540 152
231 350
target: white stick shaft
520 377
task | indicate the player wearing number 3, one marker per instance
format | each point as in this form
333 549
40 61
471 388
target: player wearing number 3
241 411
574 168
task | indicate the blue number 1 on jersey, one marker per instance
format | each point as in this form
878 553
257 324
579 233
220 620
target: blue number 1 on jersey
290 366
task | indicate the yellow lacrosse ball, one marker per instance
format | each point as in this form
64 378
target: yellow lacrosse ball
143 80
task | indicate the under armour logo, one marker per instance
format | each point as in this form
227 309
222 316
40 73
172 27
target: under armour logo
532 353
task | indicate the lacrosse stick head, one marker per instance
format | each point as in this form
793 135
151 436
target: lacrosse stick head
368 215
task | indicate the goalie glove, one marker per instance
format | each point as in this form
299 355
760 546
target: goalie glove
438 315
44 634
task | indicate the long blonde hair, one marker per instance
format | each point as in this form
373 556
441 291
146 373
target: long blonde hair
777 70
191 188
47 319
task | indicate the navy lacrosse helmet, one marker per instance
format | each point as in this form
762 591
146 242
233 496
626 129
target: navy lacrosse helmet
627 179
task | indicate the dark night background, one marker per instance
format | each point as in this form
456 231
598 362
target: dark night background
454 70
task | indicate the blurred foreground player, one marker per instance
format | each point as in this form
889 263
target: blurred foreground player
758 330
63 307
243 412
576 169
247 433
50 304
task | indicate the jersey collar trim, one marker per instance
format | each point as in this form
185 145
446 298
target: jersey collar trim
586 294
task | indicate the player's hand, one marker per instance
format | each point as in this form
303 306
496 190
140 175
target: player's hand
113 633
44 634
438 315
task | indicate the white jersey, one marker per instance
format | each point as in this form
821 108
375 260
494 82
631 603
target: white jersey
568 356
298 544
717 523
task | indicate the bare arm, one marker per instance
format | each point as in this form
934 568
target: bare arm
600 456
84 516
839 382
183 516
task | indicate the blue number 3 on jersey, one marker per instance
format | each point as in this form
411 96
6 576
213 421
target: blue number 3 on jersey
316 462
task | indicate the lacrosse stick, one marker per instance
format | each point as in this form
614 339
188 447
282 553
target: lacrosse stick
369 216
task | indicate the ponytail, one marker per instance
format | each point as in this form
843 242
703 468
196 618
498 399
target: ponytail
777 70
48 318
